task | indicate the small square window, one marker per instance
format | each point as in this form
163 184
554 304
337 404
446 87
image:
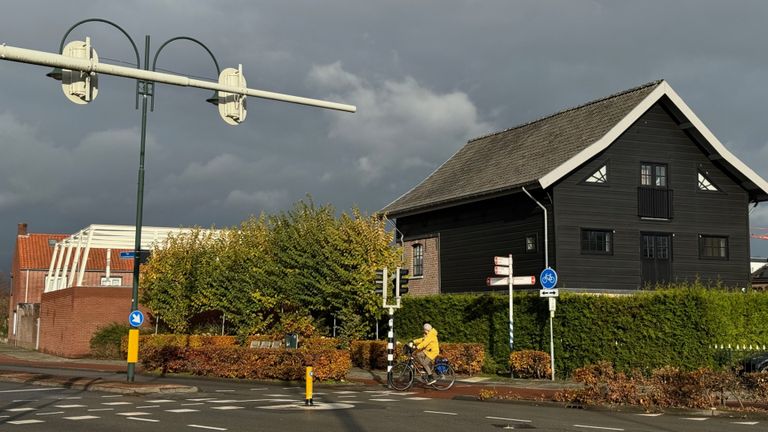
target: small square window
531 243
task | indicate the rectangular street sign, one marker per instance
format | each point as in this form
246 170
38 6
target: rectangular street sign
504 281
549 293
501 270
127 254
501 261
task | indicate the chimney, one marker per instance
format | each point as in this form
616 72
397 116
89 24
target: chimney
22 229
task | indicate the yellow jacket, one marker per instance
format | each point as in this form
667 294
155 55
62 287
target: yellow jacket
429 344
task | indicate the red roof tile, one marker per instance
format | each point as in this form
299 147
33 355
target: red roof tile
35 252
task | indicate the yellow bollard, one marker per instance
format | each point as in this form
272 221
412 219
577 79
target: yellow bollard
133 345
308 379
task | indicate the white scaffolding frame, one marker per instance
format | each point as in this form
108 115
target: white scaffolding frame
64 269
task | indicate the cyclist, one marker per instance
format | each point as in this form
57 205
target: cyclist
428 348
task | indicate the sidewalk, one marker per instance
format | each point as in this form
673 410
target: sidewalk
13 361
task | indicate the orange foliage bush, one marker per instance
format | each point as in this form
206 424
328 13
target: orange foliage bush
530 364
465 358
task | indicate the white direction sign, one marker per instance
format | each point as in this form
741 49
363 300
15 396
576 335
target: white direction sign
504 281
549 293
501 270
501 261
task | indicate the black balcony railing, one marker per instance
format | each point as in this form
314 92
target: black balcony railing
654 202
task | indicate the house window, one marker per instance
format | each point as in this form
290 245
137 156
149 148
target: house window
598 177
418 259
531 243
705 184
653 174
597 241
111 281
713 247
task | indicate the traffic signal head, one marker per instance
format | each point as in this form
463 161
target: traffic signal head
381 280
402 278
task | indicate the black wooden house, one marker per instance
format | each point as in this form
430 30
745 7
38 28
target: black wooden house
636 190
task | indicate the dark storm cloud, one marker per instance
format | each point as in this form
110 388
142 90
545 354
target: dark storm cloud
426 76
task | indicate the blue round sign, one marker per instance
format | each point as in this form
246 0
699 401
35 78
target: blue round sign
136 318
548 278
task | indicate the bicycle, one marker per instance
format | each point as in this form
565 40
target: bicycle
403 373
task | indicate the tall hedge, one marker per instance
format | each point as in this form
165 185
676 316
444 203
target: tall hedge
674 327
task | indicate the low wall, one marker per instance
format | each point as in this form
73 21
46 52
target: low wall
69 317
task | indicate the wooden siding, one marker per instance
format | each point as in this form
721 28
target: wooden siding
472 234
655 137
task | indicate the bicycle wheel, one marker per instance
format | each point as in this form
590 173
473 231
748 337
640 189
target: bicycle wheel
444 378
401 377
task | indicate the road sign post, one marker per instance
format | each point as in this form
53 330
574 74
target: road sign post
548 279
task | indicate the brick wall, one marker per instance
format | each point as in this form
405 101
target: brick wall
429 283
69 317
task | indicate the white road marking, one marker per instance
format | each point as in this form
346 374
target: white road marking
508 419
347 396
340 392
224 400
182 410
143 419
259 388
598 427
31 390
186 404
112 396
441 412
650 414
81 418
20 409
132 414
200 399
25 400
383 400
207 427
117 403
695 418
752 423
285 395
160 401
149 406
418 398
227 407
50 413
100 409
224 391
21 422
70 406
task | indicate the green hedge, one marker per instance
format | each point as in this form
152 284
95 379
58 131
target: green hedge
652 329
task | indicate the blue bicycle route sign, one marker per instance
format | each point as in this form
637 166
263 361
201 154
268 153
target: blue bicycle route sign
548 278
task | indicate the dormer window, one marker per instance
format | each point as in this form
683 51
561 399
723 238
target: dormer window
705 184
598 177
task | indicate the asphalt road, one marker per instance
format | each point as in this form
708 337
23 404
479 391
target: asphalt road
241 406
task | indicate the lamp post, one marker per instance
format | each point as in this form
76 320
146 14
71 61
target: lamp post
77 68
145 91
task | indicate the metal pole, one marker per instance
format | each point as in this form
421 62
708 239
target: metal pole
146 91
511 311
390 345
552 343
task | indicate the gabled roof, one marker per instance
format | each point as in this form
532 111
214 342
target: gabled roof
35 252
542 152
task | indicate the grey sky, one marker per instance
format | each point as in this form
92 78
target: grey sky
425 75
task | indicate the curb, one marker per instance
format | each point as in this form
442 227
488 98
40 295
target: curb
93 384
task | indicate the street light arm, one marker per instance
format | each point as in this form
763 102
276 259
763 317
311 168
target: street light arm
154 61
85 65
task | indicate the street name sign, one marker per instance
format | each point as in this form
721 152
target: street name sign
504 281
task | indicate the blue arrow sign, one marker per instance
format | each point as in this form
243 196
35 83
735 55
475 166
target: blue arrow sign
136 318
548 278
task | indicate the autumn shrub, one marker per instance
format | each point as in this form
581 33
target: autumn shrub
530 364
602 384
247 363
465 358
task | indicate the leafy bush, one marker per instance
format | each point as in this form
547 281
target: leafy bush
106 342
530 364
465 358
